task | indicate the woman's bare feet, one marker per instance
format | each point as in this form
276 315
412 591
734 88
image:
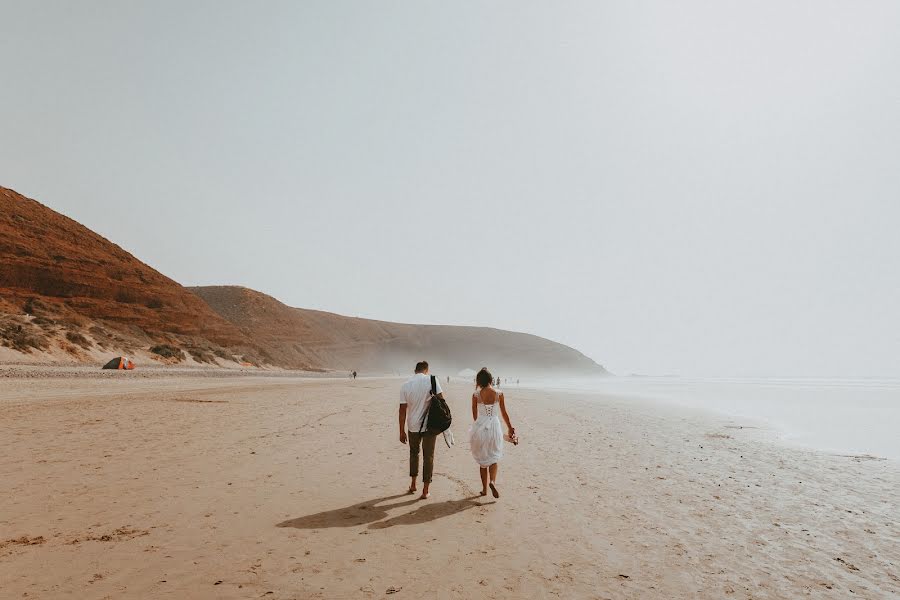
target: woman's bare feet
483 492
494 491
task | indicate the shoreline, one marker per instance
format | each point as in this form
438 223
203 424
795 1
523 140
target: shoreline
774 406
765 429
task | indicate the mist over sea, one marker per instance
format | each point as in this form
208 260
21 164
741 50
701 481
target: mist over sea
851 416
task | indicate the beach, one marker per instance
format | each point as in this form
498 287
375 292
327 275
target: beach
287 487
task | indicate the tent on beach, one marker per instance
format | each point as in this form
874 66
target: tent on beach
120 362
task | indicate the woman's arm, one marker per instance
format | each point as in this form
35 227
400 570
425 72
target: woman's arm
512 430
474 408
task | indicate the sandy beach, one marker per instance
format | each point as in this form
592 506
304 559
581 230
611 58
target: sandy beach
238 487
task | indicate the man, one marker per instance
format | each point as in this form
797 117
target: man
414 401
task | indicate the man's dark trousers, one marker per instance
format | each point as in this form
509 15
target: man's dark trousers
426 440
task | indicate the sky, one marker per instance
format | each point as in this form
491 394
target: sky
694 188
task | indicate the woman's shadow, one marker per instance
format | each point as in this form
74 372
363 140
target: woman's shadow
375 513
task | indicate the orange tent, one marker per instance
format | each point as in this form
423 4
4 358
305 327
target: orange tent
120 362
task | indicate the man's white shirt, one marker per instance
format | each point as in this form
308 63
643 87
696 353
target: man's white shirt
414 394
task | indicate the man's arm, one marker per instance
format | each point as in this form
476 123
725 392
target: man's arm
403 423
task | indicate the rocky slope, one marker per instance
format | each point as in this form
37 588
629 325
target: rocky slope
69 295
67 292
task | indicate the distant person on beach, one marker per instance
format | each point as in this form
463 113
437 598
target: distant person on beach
486 434
354 374
414 401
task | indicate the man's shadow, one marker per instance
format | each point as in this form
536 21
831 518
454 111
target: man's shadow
350 516
374 513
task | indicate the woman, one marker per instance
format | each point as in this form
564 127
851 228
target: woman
486 435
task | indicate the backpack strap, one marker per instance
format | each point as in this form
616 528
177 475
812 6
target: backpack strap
433 394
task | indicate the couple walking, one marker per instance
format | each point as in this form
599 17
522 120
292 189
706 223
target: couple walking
485 436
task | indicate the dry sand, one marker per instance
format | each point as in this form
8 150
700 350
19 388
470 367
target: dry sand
188 487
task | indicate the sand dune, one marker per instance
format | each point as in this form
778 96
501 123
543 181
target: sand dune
292 488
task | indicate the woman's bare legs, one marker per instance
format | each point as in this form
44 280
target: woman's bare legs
493 472
483 471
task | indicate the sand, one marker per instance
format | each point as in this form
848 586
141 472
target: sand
204 487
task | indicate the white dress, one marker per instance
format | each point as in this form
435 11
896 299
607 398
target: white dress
486 434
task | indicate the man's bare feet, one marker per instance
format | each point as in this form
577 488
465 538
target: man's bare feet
424 496
483 493
494 491
411 490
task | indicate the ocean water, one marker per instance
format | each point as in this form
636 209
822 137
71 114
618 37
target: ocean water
848 416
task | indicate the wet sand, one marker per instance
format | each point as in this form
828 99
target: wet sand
205 487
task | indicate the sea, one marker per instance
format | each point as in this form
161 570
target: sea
858 416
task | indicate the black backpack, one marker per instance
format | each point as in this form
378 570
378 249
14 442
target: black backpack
437 418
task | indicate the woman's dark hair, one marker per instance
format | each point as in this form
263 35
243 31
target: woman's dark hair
484 378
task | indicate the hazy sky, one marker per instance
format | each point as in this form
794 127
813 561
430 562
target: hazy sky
704 188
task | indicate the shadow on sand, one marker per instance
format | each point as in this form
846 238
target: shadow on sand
429 512
349 516
374 512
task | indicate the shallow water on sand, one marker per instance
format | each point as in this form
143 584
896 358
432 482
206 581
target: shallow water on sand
852 416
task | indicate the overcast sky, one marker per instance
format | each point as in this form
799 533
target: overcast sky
703 188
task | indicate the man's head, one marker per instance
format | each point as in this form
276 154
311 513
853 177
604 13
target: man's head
422 367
